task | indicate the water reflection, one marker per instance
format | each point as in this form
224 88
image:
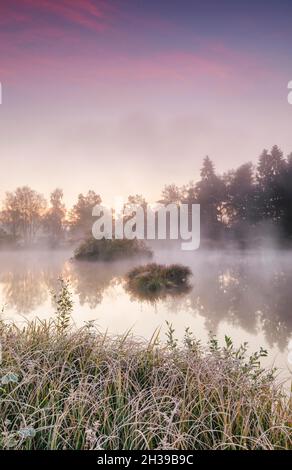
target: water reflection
153 296
251 291
252 296
26 280
89 280
22 292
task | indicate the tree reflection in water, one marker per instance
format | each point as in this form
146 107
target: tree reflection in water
90 280
250 291
247 291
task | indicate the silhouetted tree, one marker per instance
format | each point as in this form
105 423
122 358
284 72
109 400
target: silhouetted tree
242 199
270 174
240 203
136 200
130 207
171 194
287 197
210 194
55 217
80 217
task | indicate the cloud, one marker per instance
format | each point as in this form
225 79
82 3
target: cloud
83 63
64 42
87 14
83 13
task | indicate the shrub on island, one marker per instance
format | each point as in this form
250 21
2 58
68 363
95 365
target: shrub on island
155 280
111 249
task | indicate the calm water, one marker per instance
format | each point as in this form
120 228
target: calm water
246 296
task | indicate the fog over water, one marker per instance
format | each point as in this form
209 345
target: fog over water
244 294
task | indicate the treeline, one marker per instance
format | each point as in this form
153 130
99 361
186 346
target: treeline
240 205
246 204
27 217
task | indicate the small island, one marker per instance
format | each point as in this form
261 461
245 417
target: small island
111 249
153 281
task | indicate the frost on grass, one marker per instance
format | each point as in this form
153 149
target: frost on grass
67 388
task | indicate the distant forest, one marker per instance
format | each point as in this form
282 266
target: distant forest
243 205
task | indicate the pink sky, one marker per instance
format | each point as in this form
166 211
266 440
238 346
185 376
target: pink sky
106 96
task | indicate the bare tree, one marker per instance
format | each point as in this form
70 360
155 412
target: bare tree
22 213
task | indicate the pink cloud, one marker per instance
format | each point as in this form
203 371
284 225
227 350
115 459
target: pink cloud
85 13
174 68
44 49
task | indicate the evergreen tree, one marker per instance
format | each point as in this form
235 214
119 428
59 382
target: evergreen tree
211 194
270 173
55 217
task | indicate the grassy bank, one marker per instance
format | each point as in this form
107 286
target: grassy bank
62 388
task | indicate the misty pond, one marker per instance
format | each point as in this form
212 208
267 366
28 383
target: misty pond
245 295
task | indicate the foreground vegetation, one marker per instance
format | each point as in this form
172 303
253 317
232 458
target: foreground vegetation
62 388
111 249
153 281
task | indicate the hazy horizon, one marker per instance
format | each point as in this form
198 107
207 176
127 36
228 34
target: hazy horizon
124 97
